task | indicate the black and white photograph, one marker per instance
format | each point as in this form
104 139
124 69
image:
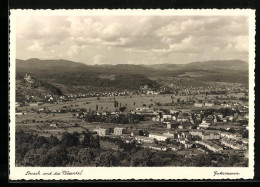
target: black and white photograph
156 92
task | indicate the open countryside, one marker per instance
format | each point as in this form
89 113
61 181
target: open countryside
203 126
159 91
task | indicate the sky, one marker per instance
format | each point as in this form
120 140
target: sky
132 39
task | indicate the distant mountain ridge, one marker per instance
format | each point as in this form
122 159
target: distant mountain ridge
65 74
33 64
214 65
66 65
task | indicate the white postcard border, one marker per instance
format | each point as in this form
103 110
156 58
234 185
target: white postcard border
136 173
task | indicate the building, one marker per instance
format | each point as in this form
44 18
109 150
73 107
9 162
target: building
227 135
101 132
198 104
183 118
245 140
204 124
219 116
160 137
232 144
205 135
187 144
196 133
208 104
28 78
53 125
144 109
168 125
238 136
172 147
33 104
210 136
157 147
171 125
19 113
143 139
167 116
119 131
157 119
246 154
173 111
146 113
184 135
171 135
210 146
229 118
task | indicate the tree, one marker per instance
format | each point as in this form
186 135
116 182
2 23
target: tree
68 139
168 141
155 141
115 104
140 133
201 160
245 134
86 140
122 109
56 156
39 142
90 141
82 158
172 97
231 130
53 141
94 142
106 159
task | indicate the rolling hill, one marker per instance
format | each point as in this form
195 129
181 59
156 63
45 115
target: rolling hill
63 74
227 66
37 66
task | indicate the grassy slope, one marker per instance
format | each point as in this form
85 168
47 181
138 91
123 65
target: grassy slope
68 76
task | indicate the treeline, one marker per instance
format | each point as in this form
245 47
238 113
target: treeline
224 111
74 149
38 88
232 78
123 81
119 119
34 150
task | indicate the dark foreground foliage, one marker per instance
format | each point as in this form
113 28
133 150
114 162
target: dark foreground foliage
75 149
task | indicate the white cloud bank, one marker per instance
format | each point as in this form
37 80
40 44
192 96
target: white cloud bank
132 39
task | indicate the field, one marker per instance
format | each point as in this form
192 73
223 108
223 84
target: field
131 102
47 116
43 128
108 145
189 151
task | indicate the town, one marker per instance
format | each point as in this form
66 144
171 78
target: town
189 121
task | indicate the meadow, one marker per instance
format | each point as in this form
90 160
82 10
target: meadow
130 102
107 103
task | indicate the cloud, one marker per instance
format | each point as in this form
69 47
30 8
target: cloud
98 59
47 31
73 50
129 39
35 47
